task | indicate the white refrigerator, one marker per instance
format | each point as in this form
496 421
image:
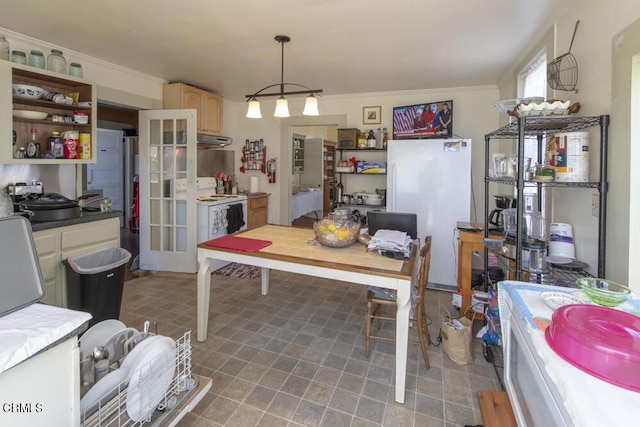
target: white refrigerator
432 178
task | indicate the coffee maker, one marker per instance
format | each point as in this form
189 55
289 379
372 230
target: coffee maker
496 218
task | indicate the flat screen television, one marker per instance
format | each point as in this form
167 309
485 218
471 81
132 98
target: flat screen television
429 120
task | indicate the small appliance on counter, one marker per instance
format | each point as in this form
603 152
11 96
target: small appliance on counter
22 191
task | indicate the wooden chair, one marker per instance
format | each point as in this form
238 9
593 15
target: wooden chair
378 297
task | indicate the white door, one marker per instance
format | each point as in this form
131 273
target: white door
107 173
167 152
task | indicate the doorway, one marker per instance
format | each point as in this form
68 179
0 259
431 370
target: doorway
120 121
308 126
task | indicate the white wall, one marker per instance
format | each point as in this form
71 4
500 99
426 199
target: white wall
474 116
593 49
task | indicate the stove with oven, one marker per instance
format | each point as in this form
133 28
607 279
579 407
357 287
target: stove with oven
211 210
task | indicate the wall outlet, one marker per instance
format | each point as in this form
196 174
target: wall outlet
595 204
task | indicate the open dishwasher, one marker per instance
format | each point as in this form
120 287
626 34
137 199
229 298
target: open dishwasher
142 379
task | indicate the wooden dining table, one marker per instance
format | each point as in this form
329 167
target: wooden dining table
294 250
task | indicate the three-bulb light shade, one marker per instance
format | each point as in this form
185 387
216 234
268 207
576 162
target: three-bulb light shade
282 108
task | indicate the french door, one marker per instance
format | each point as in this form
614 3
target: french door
168 227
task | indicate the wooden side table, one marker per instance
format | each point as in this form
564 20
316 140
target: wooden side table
469 241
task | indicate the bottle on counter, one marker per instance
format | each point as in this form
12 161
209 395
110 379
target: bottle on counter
33 146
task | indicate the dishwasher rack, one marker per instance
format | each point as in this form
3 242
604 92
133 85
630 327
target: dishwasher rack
184 392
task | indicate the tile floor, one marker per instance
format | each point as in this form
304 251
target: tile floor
296 356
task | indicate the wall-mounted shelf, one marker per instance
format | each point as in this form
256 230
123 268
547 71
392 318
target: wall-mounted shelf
254 155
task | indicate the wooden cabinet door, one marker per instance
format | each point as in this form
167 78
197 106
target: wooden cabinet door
211 114
258 212
192 97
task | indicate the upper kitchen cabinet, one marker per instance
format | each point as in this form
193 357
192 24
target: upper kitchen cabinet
28 109
207 104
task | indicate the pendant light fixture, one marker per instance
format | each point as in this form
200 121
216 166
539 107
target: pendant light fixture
282 106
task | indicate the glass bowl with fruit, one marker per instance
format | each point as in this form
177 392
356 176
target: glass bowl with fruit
336 231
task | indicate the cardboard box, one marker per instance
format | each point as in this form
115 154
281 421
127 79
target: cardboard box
371 167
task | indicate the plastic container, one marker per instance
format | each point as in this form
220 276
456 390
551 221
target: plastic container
598 340
95 282
571 157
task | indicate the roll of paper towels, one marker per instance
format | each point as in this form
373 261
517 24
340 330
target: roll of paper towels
254 184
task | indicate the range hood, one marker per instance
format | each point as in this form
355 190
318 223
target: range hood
212 141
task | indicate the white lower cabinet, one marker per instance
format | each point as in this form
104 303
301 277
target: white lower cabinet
44 390
57 244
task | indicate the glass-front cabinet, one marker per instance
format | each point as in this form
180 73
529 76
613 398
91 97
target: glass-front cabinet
47 102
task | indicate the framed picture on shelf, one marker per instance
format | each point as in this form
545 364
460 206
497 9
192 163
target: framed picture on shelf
371 115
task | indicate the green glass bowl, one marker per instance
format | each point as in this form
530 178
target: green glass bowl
604 292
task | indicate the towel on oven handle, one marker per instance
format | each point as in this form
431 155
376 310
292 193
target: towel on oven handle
235 218
218 219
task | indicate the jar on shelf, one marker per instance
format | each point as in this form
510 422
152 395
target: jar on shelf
362 140
21 153
4 48
56 62
36 59
19 57
75 69
371 139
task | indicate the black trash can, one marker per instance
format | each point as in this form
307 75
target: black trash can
95 282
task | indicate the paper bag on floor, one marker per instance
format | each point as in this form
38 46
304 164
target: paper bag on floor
457 339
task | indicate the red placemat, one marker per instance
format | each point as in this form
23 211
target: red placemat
243 244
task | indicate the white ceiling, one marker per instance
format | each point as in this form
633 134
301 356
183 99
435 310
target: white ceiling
340 46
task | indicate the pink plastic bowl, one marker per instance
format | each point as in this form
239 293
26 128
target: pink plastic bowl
600 341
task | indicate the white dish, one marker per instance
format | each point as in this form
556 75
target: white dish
106 388
505 105
26 114
150 377
558 260
27 91
544 108
98 334
139 349
556 300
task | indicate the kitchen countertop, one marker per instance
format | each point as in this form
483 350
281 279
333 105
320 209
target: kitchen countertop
83 218
254 195
35 328
588 399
